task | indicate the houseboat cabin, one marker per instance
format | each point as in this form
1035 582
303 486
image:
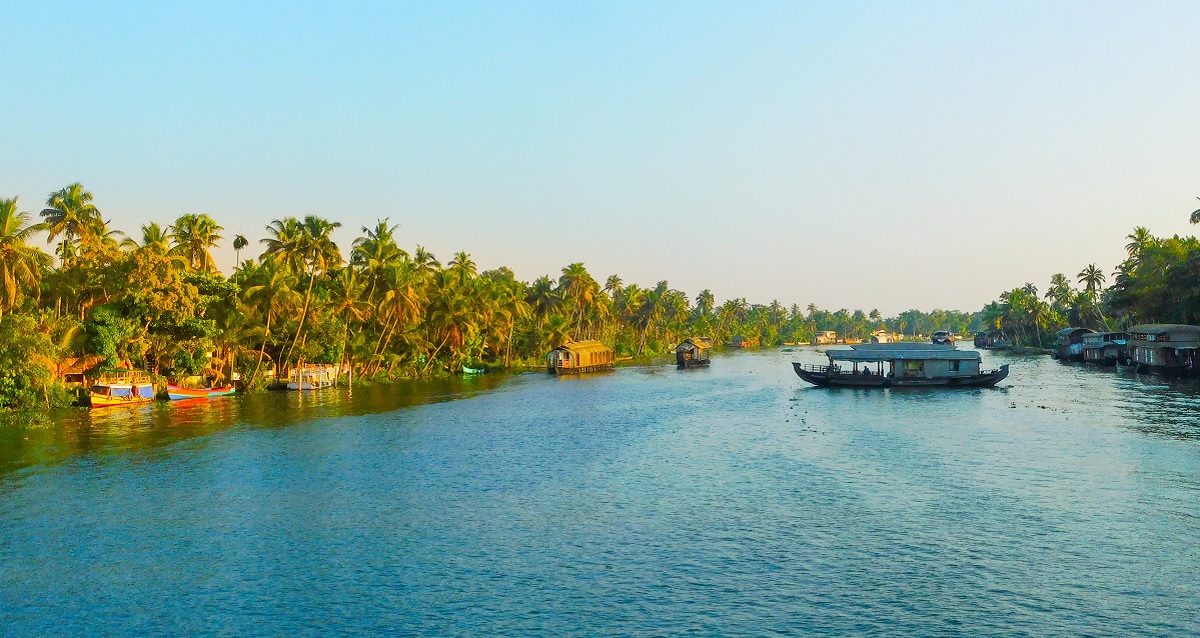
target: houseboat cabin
580 356
882 336
122 387
901 364
1069 346
1104 348
1168 348
693 352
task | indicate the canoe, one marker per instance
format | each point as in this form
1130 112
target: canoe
177 393
467 370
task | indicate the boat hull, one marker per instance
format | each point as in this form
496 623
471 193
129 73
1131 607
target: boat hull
845 380
176 393
101 401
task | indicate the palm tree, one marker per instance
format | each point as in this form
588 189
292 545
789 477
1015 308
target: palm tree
346 303
193 235
70 212
462 267
153 236
272 295
21 265
1139 240
1195 219
375 252
1092 279
239 242
579 289
424 261
307 248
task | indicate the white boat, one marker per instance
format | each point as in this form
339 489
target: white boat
312 377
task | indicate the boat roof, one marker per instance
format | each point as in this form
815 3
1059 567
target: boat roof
923 352
1066 331
1160 328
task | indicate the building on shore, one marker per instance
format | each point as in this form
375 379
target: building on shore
1105 348
580 356
1069 346
825 338
1169 348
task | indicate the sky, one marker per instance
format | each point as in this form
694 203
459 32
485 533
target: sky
853 155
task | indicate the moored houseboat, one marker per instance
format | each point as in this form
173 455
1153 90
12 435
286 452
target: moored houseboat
825 338
942 337
739 341
1168 348
693 352
901 365
1104 348
121 387
580 356
1069 346
312 377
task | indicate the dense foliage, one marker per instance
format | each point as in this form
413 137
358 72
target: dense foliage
155 301
1158 282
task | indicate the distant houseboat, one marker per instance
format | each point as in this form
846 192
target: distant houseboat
1069 346
882 336
942 337
580 356
123 387
738 341
1168 348
900 365
312 377
825 338
1105 348
693 352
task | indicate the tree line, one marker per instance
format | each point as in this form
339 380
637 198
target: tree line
155 300
1157 282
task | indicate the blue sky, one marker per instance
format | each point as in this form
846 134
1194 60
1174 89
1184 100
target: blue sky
874 155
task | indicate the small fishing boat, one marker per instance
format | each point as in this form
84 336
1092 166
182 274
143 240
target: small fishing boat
176 393
121 387
887 365
469 371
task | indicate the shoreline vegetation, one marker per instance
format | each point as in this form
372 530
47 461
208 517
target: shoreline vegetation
155 301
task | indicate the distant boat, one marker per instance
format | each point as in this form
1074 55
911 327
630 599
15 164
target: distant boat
469 371
122 387
901 365
176 393
312 377
942 337
693 352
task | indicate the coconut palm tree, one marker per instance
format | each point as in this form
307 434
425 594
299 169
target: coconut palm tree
1195 218
578 289
239 242
462 267
69 212
375 252
346 302
307 248
1139 240
21 265
153 236
424 261
192 236
1092 279
273 293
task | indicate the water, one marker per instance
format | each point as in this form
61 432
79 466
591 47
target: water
649 501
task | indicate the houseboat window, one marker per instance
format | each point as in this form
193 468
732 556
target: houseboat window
914 366
954 366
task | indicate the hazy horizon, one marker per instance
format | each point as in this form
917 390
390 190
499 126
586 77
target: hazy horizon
852 156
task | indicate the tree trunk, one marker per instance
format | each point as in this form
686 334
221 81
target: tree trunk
262 350
304 313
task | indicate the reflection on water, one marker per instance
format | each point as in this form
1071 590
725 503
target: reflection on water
732 500
33 439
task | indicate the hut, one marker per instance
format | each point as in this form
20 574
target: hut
580 356
1069 346
1164 347
825 338
743 342
1104 348
693 352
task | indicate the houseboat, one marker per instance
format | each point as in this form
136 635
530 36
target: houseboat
1069 346
901 365
312 377
942 338
693 352
1167 348
1105 348
882 336
738 341
580 356
121 387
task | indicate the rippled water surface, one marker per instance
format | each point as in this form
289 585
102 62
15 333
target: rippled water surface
648 501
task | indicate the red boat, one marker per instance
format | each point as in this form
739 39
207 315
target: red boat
177 393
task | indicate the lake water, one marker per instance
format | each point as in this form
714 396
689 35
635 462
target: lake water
735 500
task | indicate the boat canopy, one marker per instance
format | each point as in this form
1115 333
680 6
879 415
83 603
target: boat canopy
902 354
